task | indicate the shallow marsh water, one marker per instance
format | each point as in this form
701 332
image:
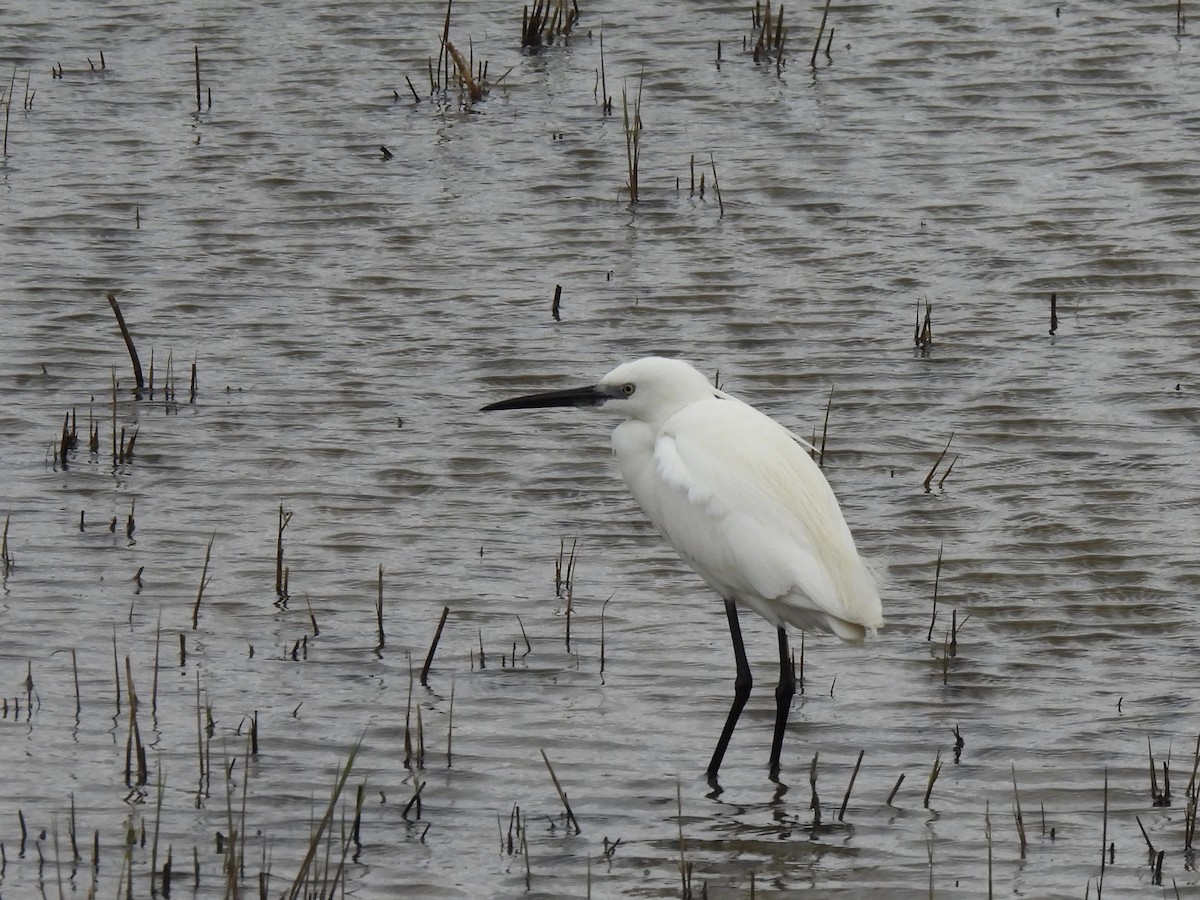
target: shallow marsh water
348 315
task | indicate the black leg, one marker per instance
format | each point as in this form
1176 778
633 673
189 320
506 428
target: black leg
783 700
741 691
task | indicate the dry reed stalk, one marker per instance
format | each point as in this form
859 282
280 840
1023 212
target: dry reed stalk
933 776
850 787
203 773
815 803
562 795
923 334
555 303
116 670
633 137
71 831
415 800
157 648
938 462
450 727
196 49
8 108
717 187
1020 821
408 743
603 610
685 868
475 89
437 635
6 558
204 582
1103 837
564 575
820 31
443 63
525 637
114 417
158 804
280 573
1054 311
75 673
605 99
987 833
133 354
937 576
135 751
379 608
297 887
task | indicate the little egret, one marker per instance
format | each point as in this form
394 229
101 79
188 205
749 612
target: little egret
743 504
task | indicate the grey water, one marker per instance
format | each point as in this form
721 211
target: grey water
347 314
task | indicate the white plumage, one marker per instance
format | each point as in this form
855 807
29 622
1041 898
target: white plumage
743 503
740 500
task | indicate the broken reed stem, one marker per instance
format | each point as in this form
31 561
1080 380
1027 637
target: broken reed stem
1017 813
938 462
815 803
850 787
937 576
204 580
555 303
933 775
571 820
820 31
603 610
158 804
196 50
8 107
987 833
116 670
605 101
6 558
135 751
895 789
923 333
474 88
75 673
717 186
157 649
450 727
379 607
199 738
133 355
525 637
280 577
437 635
408 744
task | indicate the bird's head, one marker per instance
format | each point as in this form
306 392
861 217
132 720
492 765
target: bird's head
651 389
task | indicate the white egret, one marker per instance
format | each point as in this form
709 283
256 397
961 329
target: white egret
743 504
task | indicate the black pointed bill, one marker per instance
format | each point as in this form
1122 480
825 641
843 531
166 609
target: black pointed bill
593 395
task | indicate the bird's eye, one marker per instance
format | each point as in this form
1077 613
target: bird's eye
628 389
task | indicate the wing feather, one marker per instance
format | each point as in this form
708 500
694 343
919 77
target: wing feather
750 511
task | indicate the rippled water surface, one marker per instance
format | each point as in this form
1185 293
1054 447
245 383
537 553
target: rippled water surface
347 314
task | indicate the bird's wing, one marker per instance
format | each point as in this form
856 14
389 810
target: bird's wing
753 514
